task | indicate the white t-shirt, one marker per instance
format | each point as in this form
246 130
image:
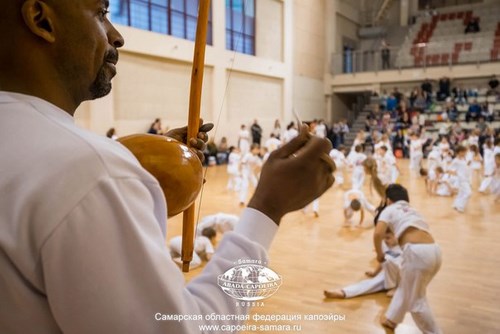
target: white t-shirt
320 130
433 159
416 147
289 135
459 166
221 222
272 144
233 163
356 160
338 157
83 234
400 216
360 196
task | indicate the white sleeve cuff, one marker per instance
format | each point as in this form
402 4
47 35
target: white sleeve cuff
257 227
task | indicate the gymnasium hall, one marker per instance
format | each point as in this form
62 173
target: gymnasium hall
401 99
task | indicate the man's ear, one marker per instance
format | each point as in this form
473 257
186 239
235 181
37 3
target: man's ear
37 16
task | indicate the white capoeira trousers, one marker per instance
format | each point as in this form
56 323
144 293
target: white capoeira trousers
358 178
464 192
485 184
420 264
387 279
415 161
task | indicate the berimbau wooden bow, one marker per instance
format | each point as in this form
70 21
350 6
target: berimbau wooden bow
188 224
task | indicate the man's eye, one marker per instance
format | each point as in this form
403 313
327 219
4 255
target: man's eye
104 12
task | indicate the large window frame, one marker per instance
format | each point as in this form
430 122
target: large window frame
171 17
240 36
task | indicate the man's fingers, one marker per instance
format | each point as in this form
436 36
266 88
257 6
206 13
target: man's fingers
206 127
295 144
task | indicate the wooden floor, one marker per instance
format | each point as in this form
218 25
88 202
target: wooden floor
313 254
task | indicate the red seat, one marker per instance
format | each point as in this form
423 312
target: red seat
454 58
453 16
468 46
458 47
443 17
460 15
445 58
494 54
418 61
435 59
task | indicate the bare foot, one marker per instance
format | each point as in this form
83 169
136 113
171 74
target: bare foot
336 294
316 214
387 323
390 293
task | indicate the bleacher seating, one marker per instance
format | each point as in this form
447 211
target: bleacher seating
440 39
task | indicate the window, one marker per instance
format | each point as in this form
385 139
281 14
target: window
171 17
240 26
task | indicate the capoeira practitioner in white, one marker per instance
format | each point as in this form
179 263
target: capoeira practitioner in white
290 133
489 166
221 222
356 159
203 247
460 169
421 260
433 161
244 140
233 169
416 153
384 277
387 168
445 184
355 200
340 162
250 162
495 186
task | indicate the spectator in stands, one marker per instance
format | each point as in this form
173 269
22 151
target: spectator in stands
481 126
392 102
444 89
399 143
398 95
386 55
485 111
256 132
413 97
459 95
421 100
336 134
472 92
472 26
427 88
368 123
223 151
383 99
331 135
404 122
277 129
474 111
493 83
344 129
155 127
452 111
211 151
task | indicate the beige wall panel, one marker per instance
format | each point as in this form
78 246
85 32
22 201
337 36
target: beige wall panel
149 87
309 100
309 38
251 97
269 29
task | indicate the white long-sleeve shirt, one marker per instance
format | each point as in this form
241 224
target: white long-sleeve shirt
82 234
